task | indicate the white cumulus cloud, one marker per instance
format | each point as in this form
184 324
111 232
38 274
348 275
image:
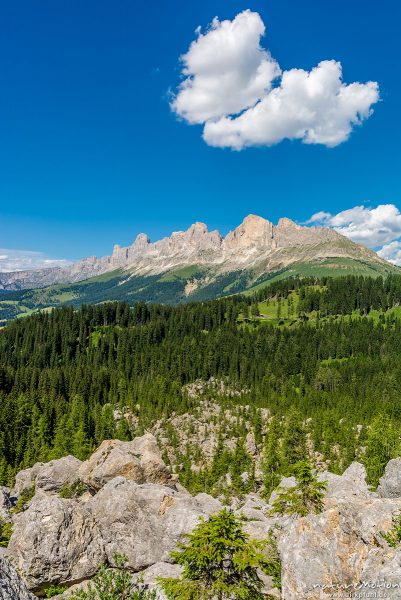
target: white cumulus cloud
370 226
391 252
226 70
236 89
23 260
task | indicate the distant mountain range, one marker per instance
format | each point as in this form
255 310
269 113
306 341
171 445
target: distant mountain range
192 265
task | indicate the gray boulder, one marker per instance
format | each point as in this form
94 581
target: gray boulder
139 461
285 483
56 540
53 475
390 483
382 566
321 552
12 587
348 486
149 576
25 479
145 522
255 514
49 477
5 503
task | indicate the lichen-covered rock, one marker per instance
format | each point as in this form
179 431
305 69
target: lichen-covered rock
55 540
139 461
331 549
25 479
390 483
64 541
5 503
12 587
53 475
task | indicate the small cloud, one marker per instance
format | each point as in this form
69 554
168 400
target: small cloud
319 217
236 89
26 260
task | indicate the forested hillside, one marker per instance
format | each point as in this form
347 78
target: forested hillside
301 367
191 283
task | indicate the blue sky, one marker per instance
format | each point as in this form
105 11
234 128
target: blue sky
91 153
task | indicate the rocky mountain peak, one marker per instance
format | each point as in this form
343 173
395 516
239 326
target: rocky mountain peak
285 223
253 231
197 228
255 243
141 241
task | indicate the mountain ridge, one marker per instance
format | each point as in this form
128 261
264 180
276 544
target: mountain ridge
256 244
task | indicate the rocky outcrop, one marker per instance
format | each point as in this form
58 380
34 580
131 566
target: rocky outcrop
5 503
61 540
341 548
351 484
55 540
256 243
139 461
12 587
49 477
390 483
135 508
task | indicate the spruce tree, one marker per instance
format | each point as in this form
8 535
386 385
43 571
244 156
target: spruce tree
382 444
219 562
305 497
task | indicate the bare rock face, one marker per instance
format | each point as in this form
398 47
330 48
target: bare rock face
65 541
12 587
139 461
390 483
25 479
256 243
351 484
54 474
145 522
5 503
253 230
343 545
49 476
55 540
385 568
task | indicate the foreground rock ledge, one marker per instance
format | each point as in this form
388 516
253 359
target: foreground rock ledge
12 587
134 507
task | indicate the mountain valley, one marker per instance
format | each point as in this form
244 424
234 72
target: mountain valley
191 266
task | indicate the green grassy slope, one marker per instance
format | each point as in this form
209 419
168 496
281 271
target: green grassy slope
172 287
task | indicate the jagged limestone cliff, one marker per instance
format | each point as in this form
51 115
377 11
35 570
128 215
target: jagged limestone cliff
255 244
